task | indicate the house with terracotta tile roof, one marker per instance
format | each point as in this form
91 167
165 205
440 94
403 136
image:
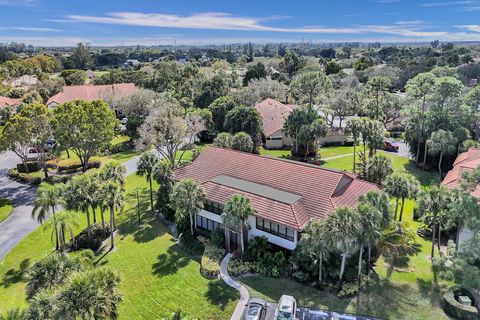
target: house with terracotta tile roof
274 114
6 102
465 162
285 194
92 92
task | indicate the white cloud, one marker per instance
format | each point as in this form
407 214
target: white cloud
35 29
470 27
46 41
22 3
224 21
448 3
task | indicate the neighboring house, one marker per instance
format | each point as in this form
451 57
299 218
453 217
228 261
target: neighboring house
131 63
285 194
466 161
23 81
6 102
274 114
90 93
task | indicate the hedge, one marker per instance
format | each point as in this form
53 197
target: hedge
70 165
455 309
31 166
23 177
210 262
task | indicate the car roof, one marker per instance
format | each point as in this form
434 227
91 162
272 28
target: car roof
287 300
257 300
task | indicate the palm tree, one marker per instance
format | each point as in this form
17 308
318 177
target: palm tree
78 198
48 197
235 214
396 242
401 186
64 224
441 142
354 129
114 171
114 198
381 202
369 229
314 243
187 199
432 203
145 167
96 196
341 231
393 185
413 187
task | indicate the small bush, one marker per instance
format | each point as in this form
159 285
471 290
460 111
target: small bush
217 238
457 310
92 242
350 289
69 165
237 267
24 177
31 167
210 262
301 276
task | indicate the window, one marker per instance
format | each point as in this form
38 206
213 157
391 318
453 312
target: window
207 224
275 229
214 207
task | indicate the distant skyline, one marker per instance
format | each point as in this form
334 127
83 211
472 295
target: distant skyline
202 22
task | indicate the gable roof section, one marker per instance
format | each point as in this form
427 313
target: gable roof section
91 93
6 101
312 192
273 114
466 161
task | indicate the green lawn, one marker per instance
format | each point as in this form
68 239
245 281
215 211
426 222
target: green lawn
158 277
325 152
5 208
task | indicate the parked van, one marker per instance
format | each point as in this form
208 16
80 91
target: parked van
286 309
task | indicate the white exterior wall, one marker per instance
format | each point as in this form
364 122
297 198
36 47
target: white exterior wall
280 143
254 232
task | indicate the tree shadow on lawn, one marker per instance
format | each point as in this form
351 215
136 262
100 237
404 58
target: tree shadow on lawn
170 262
432 291
149 229
13 276
220 294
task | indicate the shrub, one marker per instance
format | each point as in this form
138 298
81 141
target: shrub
191 244
256 248
92 242
217 238
238 267
24 177
70 165
119 147
31 167
349 289
457 310
210 262
301 276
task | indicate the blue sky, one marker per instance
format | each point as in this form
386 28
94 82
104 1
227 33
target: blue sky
153 22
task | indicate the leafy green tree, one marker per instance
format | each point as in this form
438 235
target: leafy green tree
210 90
341 228
219 108
235 215
163 175
472 100
309 87
242 142
146 167
432 204
332 67
377 97
291 63
256 71
223 140
84 127
48 198
246 119
461 134
314 243
187 199
441 142
74 77
341 103
15 136
309 135
82 57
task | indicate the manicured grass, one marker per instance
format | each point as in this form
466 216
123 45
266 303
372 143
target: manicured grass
282 153
325 152
187 156
5 208
158 277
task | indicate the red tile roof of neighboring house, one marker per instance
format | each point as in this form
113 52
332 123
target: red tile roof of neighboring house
90 93
466 161
320 191
5 101
274 114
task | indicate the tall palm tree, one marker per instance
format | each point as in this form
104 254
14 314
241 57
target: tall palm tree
114 196
441 142
432 203
369 229
64 224
314 243
78 197
394 186
114 171
381 202
96 196
235 214
413 187
145 167
187 199
48 198
341 231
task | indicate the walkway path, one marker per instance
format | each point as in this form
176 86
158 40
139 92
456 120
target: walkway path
339 156
244 296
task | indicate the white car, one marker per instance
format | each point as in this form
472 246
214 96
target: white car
124 121
286 309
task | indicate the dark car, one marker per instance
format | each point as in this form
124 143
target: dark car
255 309
391 146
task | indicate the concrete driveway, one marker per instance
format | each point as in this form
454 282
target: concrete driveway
19 223
315 314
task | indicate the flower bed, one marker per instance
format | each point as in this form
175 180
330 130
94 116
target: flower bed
211 258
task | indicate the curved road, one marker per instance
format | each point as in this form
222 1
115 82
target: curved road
20 223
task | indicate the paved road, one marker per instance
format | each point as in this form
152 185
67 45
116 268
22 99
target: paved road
20 223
